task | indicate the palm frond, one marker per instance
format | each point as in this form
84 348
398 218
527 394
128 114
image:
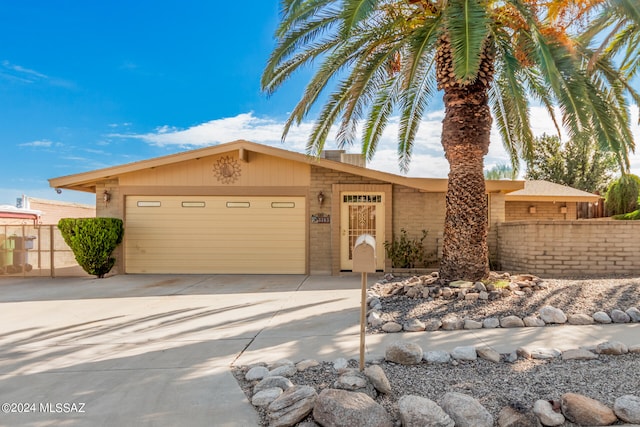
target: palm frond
468 27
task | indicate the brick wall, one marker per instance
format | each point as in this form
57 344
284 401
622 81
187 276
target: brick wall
570 248
415 211
519 211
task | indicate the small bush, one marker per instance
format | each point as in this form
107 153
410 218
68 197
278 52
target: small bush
631 216
405 252
92 241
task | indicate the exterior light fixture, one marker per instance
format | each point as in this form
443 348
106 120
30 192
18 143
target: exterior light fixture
320 198
532 209
106 196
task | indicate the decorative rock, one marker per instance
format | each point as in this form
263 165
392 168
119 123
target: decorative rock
524 352
490 323
472 324
533 322
256 373
292 406
619 316
634 314
281 362
340 364
404 353
378 378
511 322
487 353
447 292
270 382
437 356
265 397
283 371
416 411
601 317
464 353
465 410
578 354
340 408
484 296
351 381
471 297
511 357
432 325
451 322
494 295
551 314
612 347
461 284
392 327
510 417
480 287
580 319
374 302
545 353
306 364
548 417
375 319
586 411
634 348
413 325
627 408
357 382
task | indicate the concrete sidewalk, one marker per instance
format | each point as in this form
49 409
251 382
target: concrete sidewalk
157 350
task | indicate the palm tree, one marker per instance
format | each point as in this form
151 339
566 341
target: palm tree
383 57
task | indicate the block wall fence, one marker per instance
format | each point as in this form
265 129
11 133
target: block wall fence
569 248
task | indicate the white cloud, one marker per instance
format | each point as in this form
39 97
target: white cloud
428 157
40 144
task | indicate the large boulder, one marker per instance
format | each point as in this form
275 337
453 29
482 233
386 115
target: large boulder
551 314
341 408
292 406
586 411
417 411
627 408
466 411
404 353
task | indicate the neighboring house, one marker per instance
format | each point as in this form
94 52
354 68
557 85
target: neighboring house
544 200
41 211
243 207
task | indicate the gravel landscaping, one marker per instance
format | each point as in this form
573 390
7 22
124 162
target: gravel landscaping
509 382
572 296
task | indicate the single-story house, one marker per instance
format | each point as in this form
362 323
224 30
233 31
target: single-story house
243 207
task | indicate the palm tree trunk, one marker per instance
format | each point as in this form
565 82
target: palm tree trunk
466 132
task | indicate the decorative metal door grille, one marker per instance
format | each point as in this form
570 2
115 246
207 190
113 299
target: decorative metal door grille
362 216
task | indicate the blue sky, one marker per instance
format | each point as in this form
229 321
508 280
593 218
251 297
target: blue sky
87 85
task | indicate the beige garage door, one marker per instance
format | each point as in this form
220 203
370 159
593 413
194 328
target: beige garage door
215 235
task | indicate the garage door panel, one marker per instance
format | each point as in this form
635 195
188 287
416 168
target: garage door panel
214 238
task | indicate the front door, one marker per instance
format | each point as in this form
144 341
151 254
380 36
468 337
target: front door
360 213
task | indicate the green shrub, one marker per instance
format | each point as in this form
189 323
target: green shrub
622 195
92 241
405 252
631 216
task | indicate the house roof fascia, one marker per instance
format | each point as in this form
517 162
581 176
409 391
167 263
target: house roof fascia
86 181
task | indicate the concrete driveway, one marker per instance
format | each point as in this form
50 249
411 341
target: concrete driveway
156 350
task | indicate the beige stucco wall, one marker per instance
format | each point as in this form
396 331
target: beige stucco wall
570 248
519 211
